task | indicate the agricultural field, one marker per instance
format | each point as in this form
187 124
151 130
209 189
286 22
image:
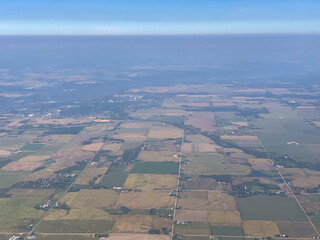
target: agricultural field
221 161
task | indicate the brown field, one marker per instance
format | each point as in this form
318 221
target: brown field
78 214
241 124
158 156
146 200
60 121
207 200
198 138
93 147
139 137
203 120
62 137
261 164
124 236
198 104
192 215
33 158
163 132
151 181
161 222
297 229
198 147
90 173
233 137
317 124
22 166
199 183
223 217
132 223
310 202
260 228
136 125
70 154
113 147
4 153
304 178
89 198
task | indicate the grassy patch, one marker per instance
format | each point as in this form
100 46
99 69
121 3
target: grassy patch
75 226
7 178
32 147
156 167
270 208
227 230
114 179
192 228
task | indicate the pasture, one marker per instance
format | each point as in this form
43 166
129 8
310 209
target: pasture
270 208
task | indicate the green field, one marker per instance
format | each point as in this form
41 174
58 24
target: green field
114 179
156 167
7 178
32 147
61 237
14 210
227 231
270 208
274 135
192 228
75 226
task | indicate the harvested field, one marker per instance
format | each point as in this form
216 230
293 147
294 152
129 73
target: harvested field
198 138
4 153
297 229
198 147
161 223
124 236
89 198
78 214
225 217
310 202
304 178
93 147
136 125
113 147
132 223
138 137
191 215
203 120
199 183
261 164
89 174
241 124
234 137
151 181
158 156
165 132
22 166
260 228
207 200
146 200
212 164
62 137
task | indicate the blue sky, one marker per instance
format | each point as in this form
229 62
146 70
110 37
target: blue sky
113 17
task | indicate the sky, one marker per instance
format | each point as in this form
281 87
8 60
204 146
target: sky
135 17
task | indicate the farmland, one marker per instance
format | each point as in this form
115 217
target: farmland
179 164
